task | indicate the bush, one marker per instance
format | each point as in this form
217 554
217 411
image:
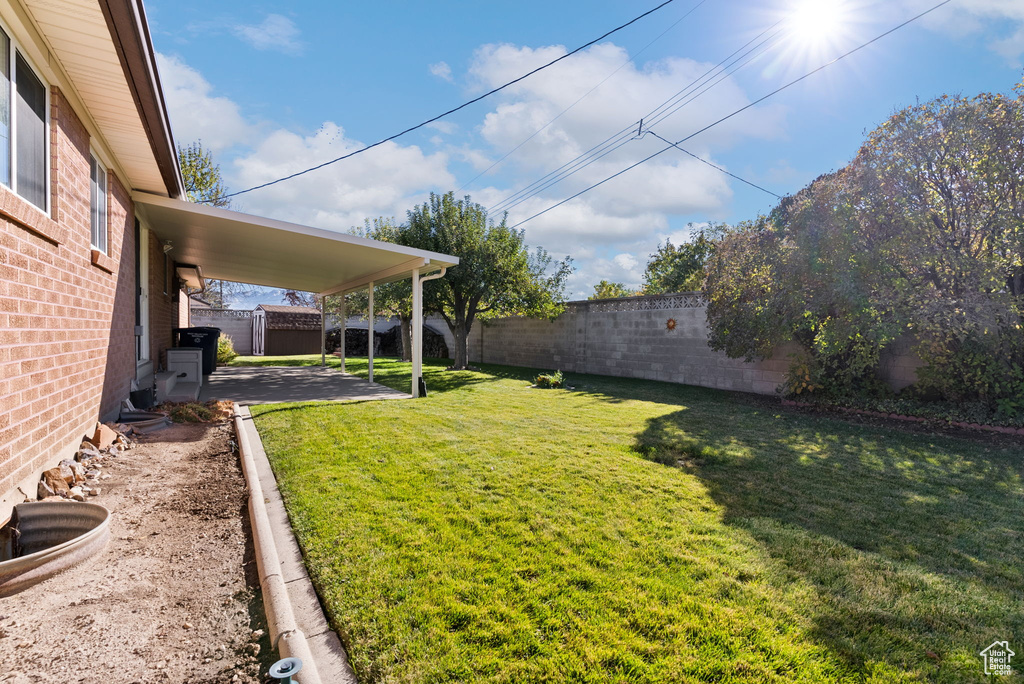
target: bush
550 380
225 349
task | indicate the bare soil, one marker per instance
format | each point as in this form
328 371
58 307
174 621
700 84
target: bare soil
174 597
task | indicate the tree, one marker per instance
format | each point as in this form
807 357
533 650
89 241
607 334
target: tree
497 275
681 268
300 298
922 234
607 290
389 299
203 180
204 183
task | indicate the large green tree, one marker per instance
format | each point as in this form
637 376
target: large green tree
921 235
497 274
203 180
609 290
680 268
204 183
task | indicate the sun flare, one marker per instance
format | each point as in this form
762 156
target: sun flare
814 22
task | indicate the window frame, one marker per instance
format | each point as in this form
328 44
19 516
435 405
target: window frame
103 229
14 51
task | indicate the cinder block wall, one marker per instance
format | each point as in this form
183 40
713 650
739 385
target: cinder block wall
67 338
631 337
235 324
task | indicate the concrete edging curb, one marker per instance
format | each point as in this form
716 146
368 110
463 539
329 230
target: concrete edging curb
292 609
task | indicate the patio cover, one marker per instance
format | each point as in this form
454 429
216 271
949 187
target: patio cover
229 245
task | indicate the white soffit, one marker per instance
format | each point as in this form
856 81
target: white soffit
77 34
229 245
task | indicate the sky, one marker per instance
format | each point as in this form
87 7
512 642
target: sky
274 88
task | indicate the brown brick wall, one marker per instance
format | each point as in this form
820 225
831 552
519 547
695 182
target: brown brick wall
163 310
67 345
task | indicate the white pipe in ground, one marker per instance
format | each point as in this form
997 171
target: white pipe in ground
285 634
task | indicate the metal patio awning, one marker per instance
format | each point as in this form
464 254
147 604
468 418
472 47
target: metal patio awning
229 245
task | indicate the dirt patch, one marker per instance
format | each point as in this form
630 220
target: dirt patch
174 597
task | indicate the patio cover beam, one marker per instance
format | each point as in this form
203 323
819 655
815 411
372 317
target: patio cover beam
229 245
399 272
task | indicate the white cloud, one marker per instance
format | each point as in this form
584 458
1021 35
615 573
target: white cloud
639 199
625 261
1001 20
276 33
446 127
195 113
387 180
442 71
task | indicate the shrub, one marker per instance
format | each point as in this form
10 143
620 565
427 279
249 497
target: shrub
550 380
225 349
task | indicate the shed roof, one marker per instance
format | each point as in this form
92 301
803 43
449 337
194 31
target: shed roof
283 317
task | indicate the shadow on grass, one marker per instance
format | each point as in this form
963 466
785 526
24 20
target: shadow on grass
911 542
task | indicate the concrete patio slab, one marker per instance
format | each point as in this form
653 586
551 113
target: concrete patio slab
276 384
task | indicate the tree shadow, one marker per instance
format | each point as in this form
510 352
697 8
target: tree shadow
912 543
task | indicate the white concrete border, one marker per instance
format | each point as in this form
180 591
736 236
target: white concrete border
298 627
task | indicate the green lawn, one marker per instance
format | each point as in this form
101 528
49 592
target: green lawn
496 533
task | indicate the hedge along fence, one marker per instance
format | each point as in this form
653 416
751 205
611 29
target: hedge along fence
655 337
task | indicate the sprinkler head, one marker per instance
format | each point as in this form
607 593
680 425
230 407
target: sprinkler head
284 669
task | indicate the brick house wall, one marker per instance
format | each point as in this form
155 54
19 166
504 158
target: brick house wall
67 314
163 310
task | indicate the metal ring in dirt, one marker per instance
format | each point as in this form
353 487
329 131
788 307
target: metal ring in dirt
66 533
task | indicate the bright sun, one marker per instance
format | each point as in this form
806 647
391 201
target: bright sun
816 22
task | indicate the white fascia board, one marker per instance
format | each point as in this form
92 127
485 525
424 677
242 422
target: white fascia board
216 213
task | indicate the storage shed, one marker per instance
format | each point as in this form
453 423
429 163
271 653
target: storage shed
279 330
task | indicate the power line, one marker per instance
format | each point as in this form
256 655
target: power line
585 95
741 109
680 99
714 166
450 111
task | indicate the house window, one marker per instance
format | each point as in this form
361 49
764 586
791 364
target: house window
23 134
98 203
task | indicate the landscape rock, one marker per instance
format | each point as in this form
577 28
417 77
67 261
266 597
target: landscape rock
77 494
66 473
87 451
103 437
54 480
77 471
44 491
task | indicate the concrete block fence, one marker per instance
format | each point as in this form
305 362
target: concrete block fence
235 324
659 337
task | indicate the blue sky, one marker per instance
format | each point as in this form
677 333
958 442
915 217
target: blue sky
274 88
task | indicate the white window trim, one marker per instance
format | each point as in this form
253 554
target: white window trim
105 248
14 50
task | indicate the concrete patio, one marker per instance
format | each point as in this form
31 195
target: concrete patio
278 384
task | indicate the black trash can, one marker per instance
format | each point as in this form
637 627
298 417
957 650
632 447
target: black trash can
204 338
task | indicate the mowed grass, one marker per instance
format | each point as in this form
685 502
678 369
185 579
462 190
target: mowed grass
631 531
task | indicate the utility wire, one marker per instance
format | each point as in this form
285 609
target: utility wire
714 166
676 102
450 111
741 109
585 95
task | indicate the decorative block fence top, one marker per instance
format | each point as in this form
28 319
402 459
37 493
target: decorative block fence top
220 313
678 300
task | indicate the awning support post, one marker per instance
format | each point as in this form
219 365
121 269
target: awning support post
417 332
369 338
323 332
341 333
